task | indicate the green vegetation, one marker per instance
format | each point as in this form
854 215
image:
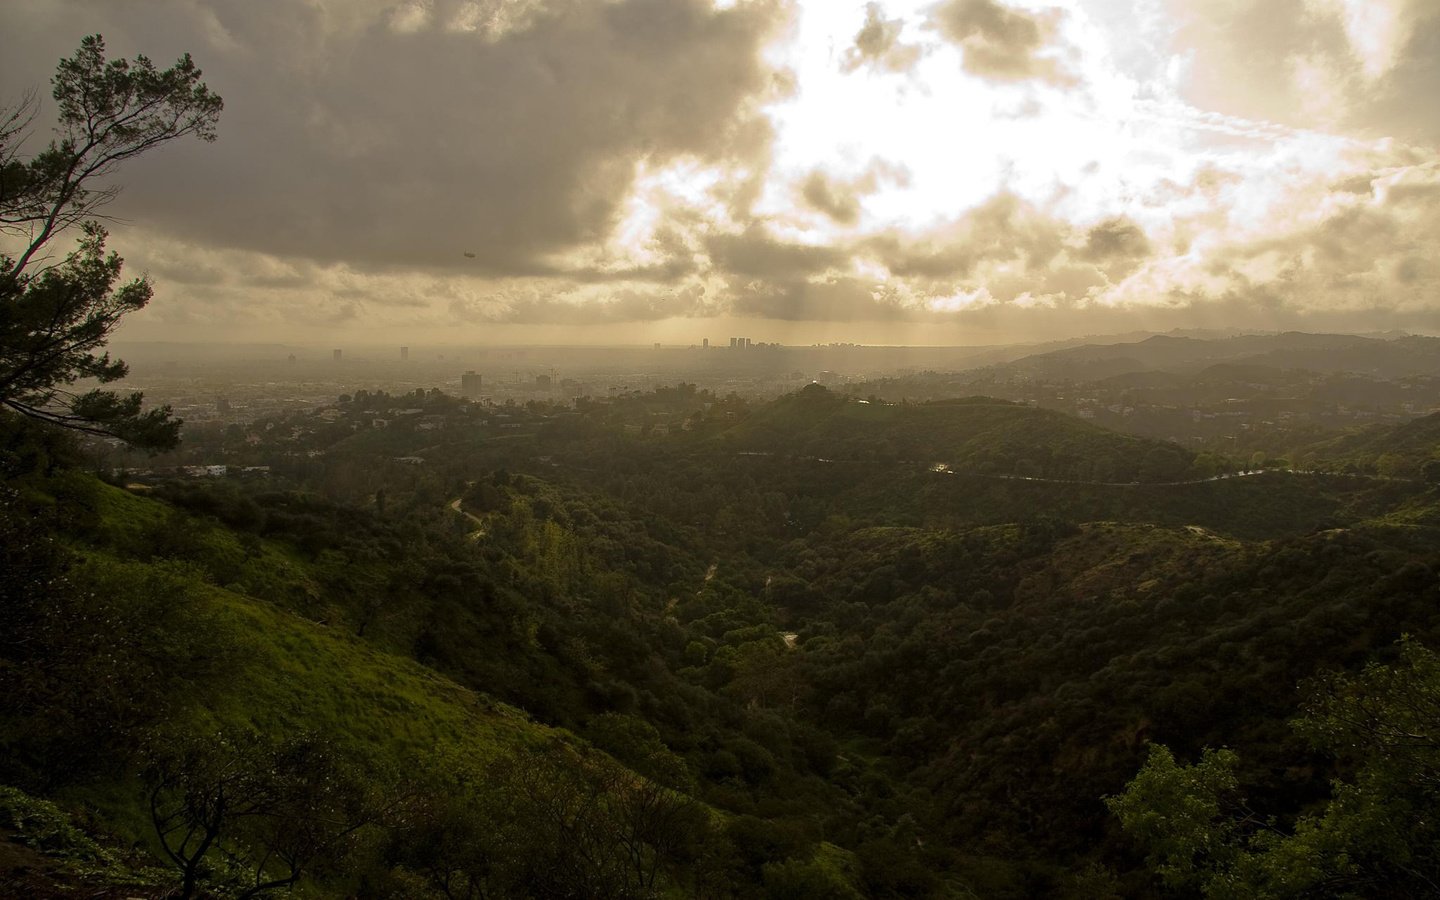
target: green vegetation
976 434
58 315
1375 834
708 659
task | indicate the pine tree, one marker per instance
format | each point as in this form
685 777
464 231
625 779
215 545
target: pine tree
56 316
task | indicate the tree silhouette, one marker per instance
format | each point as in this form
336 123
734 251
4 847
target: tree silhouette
57 315
250 814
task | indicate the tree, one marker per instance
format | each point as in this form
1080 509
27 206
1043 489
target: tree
1378 835
1183 816
57 315
252 815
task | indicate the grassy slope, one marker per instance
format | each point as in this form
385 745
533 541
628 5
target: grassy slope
1418 438
287 674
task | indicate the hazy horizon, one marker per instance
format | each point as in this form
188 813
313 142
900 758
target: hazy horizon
124 345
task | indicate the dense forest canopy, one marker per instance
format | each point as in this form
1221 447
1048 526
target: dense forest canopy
905 668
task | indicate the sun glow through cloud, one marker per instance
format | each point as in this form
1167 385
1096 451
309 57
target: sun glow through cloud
951 169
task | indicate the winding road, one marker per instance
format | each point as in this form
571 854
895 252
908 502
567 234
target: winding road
479 531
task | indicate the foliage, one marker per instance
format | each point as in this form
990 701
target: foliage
549 824
256 778
44 826
90 651
49 830
1181 814
974 434
251 811
1375 836
58 316
826 677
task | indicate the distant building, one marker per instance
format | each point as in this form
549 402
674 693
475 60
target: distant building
470 384
705 344
404 353
734 343
291 360
335 355
542 381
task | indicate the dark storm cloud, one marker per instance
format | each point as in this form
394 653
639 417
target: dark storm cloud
1116 238
755 253
877 45
1004 44
834 199
1005 227
388 136
1117 246
839 199
1005 250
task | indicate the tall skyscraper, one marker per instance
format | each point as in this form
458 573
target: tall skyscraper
470 384
404 353
335 355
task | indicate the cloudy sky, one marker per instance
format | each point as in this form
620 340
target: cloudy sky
621 171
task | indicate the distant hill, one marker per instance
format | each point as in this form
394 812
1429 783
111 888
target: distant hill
1247 373
1147 379
1391 450
977 434
1390 358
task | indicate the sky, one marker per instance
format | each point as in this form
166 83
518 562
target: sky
628 171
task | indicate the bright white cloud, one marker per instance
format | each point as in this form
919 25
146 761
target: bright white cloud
1377 31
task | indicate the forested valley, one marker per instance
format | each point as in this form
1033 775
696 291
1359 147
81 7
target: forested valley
674 644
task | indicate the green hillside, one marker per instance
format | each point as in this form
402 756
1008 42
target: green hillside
975 434
1390 450
122 642
762 651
